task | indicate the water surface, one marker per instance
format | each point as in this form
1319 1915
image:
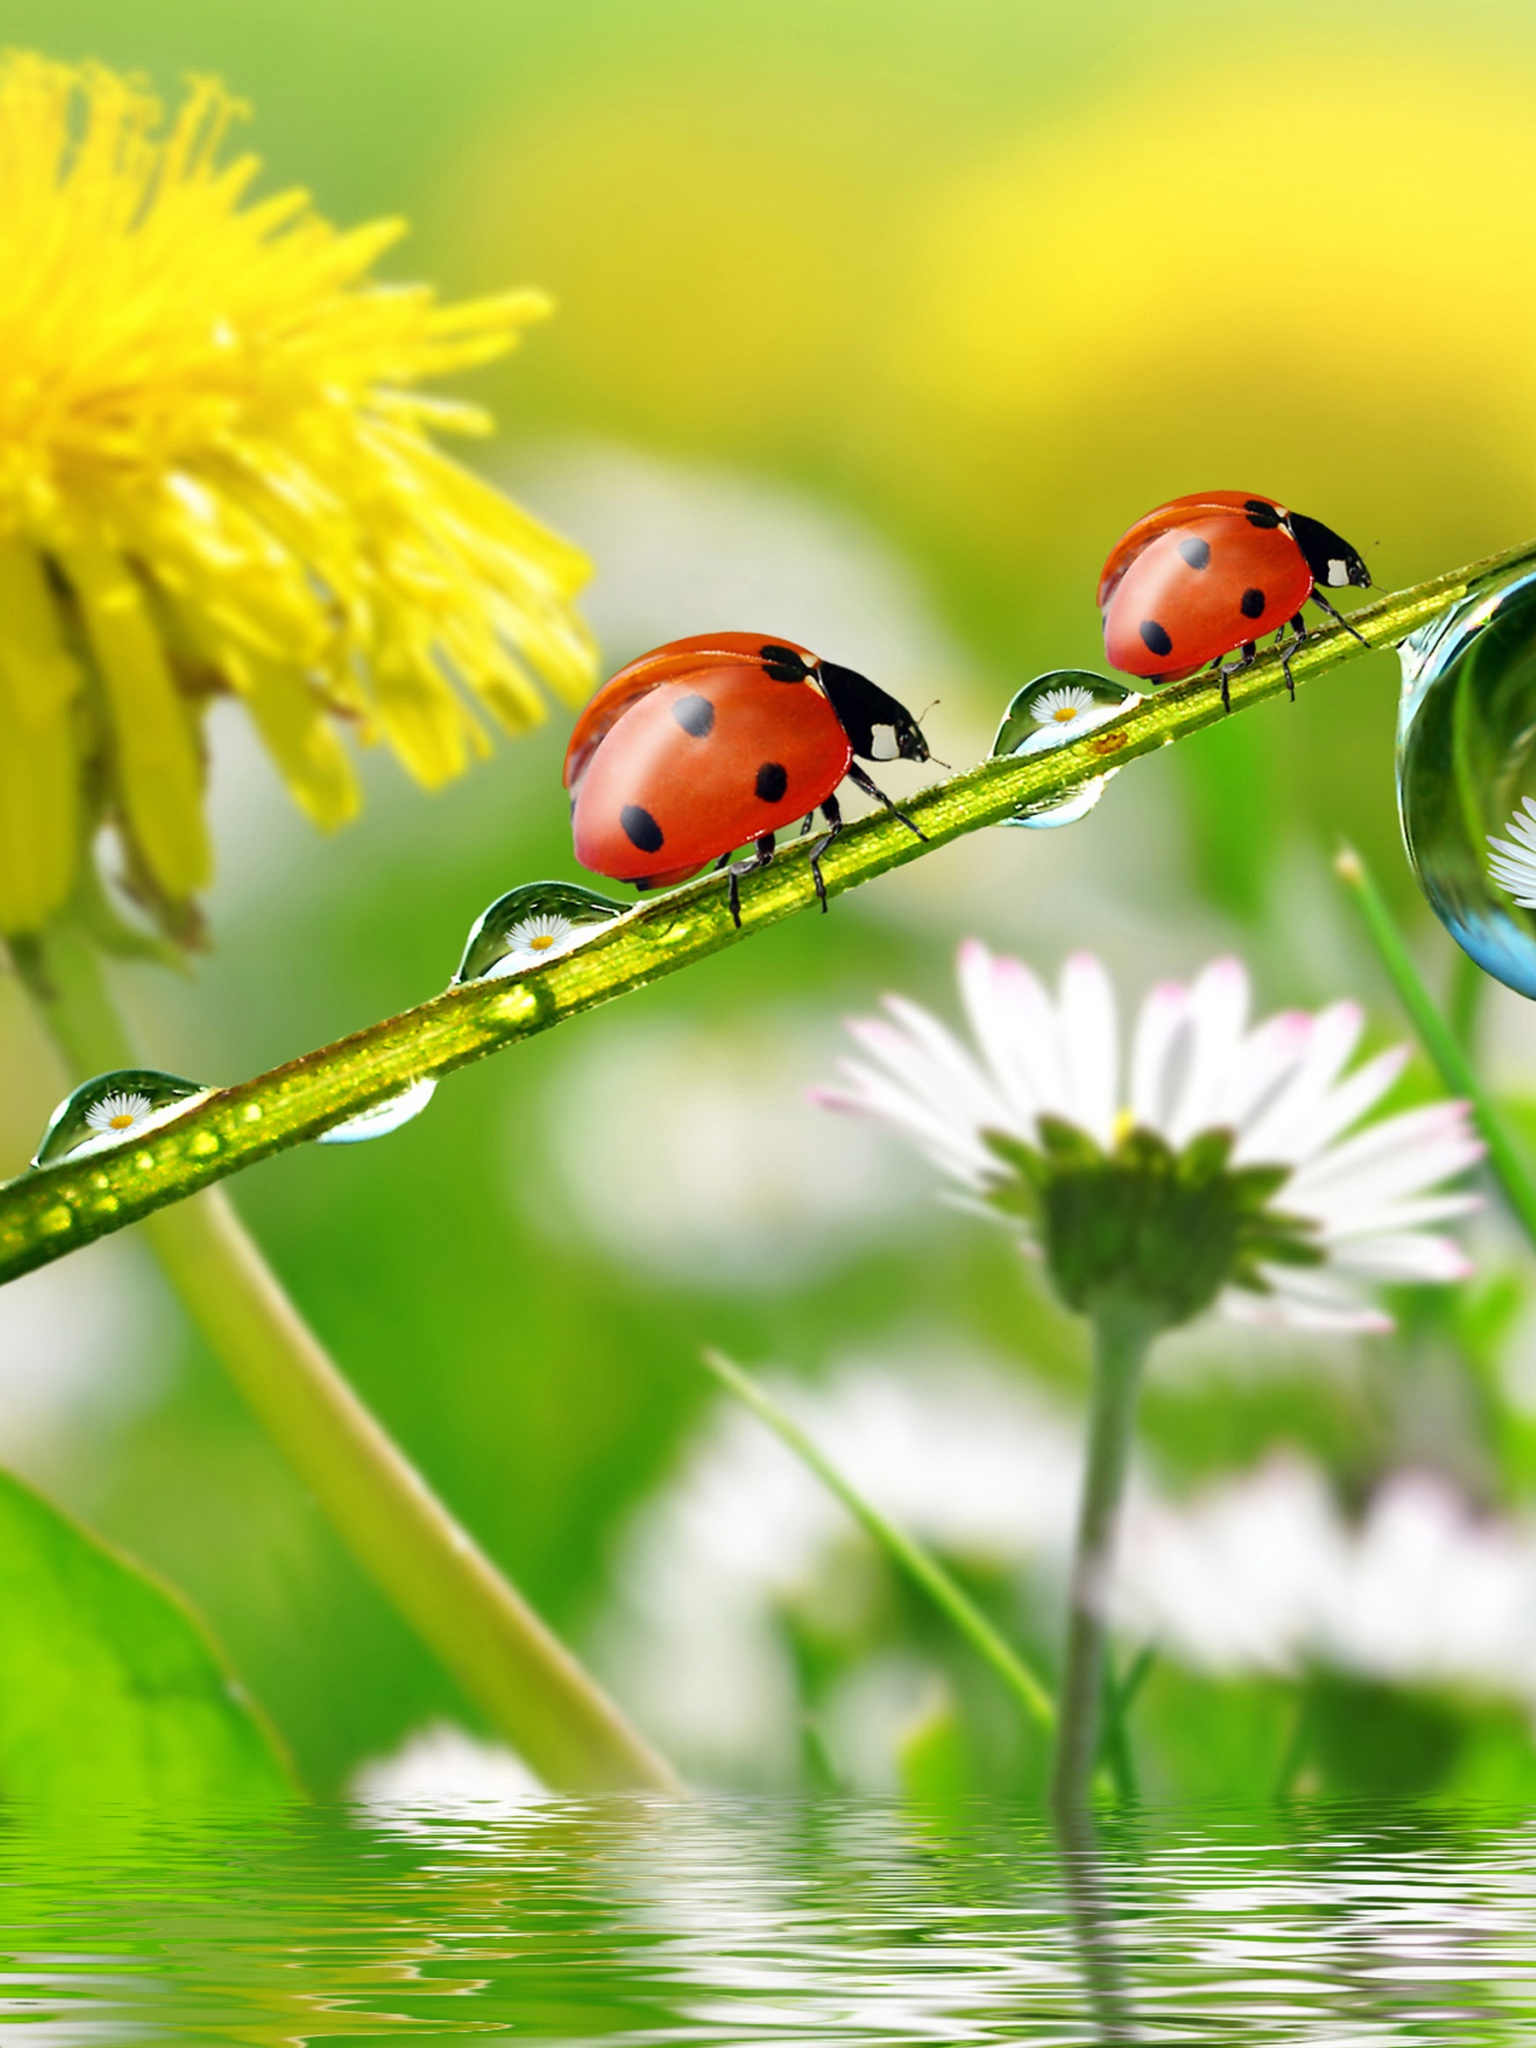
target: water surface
720 1921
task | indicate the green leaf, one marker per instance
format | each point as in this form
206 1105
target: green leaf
111 1690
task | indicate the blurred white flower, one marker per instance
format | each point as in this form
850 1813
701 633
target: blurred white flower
683 542
1195 1066
1512 863
1263 1572
442 1768
84 1345
1260 1572
691 1151
954 1448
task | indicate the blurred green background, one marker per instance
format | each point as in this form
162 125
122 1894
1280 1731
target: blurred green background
877 322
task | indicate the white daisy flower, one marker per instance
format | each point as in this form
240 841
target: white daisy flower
1196 1068
114 1116
533 940
1513 866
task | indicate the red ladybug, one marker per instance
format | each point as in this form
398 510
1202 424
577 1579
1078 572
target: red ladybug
1210 573
704 744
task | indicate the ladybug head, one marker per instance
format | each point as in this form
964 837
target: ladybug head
878 728
1329 556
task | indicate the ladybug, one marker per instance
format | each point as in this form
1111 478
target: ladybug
1207 574
705 744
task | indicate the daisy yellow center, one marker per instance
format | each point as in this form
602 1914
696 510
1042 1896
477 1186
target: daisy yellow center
1065 713
123 1121
543 942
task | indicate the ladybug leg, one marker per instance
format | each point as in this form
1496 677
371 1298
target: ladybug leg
762 854
1298 629
1250 652
1325 605
832 812
860 780
806 823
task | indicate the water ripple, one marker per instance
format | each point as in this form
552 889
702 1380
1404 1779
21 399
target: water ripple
643 1921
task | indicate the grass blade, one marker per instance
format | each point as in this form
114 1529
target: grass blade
1439 1041
924 1571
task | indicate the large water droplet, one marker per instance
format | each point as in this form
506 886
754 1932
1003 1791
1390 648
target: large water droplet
1466 775
384 1117
1052 711
113 1109
533 924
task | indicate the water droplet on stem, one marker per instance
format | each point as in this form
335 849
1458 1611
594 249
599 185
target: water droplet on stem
531 925
1050 712
114 1109
386 1116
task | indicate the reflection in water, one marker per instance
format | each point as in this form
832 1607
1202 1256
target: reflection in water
1091 1915
720 1921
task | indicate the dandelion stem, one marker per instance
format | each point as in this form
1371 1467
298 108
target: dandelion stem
925 1572
1446 1050
1122 1333
529 1686
46 1214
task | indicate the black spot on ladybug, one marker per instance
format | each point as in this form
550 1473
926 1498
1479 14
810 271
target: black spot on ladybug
695 715
1196 552
783 664
1260 514
772 781
641 829
1156 637
1251 605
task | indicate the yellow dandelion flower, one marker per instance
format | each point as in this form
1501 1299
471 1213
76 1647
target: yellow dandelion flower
216 476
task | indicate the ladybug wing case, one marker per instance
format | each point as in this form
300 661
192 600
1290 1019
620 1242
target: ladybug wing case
878 728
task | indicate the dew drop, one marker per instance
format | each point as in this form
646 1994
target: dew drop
114 1109
1050 712
384 1117
1466 775
531 925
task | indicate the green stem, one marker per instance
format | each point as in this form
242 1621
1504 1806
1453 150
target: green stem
1439 1041
524 1680
1122 1334
44 1215
1464 999
924 1571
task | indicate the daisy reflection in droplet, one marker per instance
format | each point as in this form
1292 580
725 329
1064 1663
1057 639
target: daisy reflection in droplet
1512 863
116 1115
1058 707
538 938
1062 707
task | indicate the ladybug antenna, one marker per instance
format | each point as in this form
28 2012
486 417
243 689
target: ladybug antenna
918 721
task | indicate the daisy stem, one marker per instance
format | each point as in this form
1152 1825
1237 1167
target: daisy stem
43 1215
528 1685
924 1571
1446 1050
1122 1334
